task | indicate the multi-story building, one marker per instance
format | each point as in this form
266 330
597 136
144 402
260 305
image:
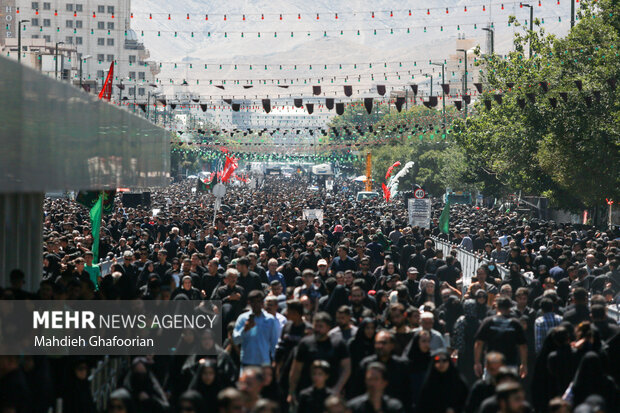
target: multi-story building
97 32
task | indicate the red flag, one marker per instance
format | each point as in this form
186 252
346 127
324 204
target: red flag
106 90
229 168
391 168
386 193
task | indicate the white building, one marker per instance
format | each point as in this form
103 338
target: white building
97 30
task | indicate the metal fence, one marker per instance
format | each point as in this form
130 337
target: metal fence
105 266
469 260
104 379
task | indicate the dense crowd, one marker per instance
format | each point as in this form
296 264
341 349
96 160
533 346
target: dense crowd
357 313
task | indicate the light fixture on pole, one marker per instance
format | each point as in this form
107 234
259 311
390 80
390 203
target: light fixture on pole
464 80
19 39
82 60
56 60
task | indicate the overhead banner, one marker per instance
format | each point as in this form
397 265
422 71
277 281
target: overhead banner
419 211
312 214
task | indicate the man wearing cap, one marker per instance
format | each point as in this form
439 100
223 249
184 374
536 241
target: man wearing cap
543 258
342 262
412 283
502 334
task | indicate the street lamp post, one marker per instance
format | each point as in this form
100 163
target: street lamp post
572 14
443 92
431 85
19 39
531 24
464 80
492 33
84 58
56 60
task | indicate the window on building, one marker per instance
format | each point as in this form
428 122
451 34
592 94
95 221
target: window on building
110 58
35 5
99 73
110 25
69 24
110 42
132 59
140 75
69 7
47 38
100 41
78 7
35 36
34 22
47 22
69 40
132 91
110 9
47 6
78 40
132 75
141 91
100 58
101 25
101 9
78 24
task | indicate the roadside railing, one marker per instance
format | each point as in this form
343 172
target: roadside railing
104 379
470 262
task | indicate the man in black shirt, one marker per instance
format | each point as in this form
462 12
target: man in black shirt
502 334
249 280
232 296
319 346
449 273
375 399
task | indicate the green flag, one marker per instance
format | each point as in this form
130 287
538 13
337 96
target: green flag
95 223
444 219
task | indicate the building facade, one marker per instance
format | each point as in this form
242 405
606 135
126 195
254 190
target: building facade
97 32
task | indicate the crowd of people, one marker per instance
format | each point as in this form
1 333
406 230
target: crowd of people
357 313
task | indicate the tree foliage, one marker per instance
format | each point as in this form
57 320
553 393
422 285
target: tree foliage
570 153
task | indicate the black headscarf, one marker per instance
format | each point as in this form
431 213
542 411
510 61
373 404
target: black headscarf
339 297
208 392
442 391
361 346
419 360
590 378
196 400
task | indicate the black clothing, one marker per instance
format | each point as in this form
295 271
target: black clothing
441 391
331 350
504 335
361 404
312 400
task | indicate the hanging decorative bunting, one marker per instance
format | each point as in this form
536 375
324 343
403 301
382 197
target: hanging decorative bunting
510 85
368 105
162 101
478 87
316 90
544 86
173 106
399 103
142 106
531 97
487 104
458 104
612 83
467 99
579 84
521 102
310 108
498 98
298 103
381 90
267 105
348 90
203 107
236 107
553 102
340 108
564 96
329 103
414 88
446 88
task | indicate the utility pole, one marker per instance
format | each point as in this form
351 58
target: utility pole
531 23
464 80
431 85
443 93
19 39
56 60
572 13
82 60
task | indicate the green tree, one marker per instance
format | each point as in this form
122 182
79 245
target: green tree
569 153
